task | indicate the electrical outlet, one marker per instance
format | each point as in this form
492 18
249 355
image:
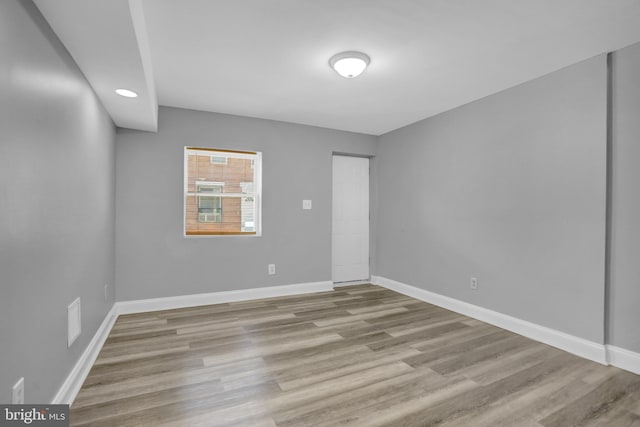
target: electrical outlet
17 392
272 269
106 292
474 283
306 204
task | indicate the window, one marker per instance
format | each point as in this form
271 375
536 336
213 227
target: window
222 192
218 160
209 206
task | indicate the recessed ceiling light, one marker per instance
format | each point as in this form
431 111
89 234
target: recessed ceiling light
126 93
349 64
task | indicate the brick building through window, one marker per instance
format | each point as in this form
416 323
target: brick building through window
221 192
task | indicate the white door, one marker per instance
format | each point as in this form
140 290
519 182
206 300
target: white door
350 234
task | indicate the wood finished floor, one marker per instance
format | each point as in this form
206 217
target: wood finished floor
360 355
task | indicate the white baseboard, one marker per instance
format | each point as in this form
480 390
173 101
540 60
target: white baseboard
72 384
182 301
354 283
570 343
623 359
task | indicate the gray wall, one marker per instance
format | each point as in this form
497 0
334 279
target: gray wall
624 315
509 189
57 212
153 259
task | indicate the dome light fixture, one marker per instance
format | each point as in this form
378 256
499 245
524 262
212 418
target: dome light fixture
126 93
349 64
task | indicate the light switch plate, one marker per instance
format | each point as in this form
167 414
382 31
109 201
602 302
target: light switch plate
306 204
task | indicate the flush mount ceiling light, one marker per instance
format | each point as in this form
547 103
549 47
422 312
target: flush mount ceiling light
349 64
126 93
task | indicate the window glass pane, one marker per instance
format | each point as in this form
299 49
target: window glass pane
234 177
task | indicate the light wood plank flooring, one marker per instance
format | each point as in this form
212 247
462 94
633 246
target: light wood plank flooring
360 355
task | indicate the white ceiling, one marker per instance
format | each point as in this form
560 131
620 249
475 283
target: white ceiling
269 58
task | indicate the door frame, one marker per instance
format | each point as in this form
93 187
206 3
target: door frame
371 248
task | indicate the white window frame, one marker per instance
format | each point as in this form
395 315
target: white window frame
256 156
